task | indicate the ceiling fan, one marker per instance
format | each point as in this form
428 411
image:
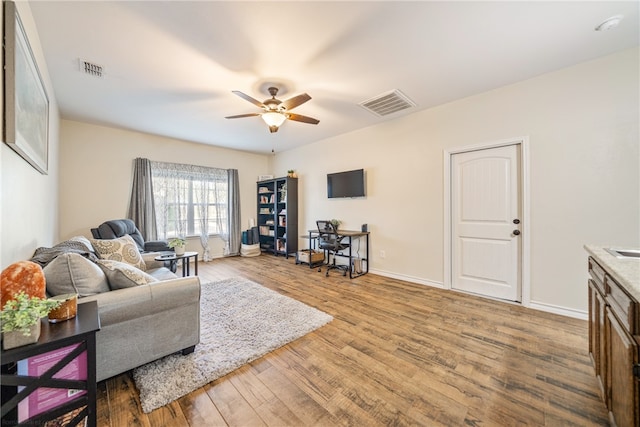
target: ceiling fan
276 111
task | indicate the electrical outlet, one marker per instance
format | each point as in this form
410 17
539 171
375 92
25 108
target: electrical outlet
383 254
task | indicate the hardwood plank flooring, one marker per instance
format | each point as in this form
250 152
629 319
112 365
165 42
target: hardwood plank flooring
396 353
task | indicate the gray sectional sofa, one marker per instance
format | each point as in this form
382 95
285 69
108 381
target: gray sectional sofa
145 313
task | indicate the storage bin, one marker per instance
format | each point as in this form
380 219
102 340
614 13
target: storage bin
315 258
250 250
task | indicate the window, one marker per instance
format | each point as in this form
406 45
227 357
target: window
190 200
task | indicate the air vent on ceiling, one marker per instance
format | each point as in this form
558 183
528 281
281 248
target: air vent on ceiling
388 103
91 69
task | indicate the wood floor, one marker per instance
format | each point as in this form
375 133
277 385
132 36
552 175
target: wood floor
395 354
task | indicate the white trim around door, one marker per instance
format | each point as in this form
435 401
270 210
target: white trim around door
523 142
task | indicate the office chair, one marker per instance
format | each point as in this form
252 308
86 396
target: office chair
330 241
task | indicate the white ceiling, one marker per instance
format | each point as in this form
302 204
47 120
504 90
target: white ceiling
170 67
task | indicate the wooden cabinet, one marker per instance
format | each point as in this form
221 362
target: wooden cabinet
278 215
614 339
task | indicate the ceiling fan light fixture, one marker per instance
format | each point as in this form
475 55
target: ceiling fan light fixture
609 23
273 119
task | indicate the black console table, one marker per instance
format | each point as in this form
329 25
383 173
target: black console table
62 347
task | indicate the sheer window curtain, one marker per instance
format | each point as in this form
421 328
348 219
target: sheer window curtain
141 205
195 200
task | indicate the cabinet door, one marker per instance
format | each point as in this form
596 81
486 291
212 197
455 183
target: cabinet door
597 343
622 385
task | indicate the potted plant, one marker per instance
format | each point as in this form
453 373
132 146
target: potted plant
21 319
291 173
177 244
335 223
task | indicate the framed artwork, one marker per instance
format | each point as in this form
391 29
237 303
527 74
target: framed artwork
26 103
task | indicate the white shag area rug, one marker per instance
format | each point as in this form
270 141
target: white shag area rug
240 321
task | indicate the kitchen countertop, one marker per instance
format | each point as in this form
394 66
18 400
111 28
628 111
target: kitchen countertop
625 271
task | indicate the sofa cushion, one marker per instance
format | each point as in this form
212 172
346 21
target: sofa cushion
72 273
161 273
123 249
122 275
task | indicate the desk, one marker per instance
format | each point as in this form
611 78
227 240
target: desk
186 270
62 342
351 235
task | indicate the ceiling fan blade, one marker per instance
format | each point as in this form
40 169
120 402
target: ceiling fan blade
242 115
303 119
295 101
248 98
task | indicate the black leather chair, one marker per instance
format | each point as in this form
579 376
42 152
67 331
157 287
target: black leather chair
120 227
331 241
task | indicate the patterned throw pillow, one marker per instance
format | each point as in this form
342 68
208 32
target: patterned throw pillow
122 275
123 249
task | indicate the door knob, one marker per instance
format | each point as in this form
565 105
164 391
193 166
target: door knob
516 221
516 232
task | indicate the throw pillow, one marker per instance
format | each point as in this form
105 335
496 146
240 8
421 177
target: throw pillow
123 249
71 273
122 275
84 241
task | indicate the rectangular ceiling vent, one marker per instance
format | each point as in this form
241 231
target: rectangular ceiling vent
91 69
388 103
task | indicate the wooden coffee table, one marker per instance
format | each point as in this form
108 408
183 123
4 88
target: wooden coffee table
185 261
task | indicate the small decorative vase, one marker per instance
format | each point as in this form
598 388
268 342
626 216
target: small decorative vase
15 339
179 250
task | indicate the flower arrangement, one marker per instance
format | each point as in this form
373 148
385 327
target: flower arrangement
177 242
22 312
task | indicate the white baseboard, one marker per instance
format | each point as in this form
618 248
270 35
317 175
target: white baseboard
563 311
406 278
549 308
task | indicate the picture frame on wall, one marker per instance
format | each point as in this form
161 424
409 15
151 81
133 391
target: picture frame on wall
25 99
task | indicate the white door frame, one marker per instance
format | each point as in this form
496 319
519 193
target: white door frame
523 142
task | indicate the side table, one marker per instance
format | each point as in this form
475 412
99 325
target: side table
186 267
63 358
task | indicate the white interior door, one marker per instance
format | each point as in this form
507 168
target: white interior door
485 222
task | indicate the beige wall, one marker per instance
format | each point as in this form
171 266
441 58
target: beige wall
582 125
97 165
29 213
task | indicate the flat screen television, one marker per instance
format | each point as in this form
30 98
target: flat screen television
345 184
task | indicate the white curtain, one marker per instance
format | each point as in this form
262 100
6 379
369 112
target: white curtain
191 201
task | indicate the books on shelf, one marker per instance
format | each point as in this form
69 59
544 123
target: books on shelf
266 199
282 221
265 230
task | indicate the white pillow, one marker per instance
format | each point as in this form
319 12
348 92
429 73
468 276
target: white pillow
122 275
123 249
